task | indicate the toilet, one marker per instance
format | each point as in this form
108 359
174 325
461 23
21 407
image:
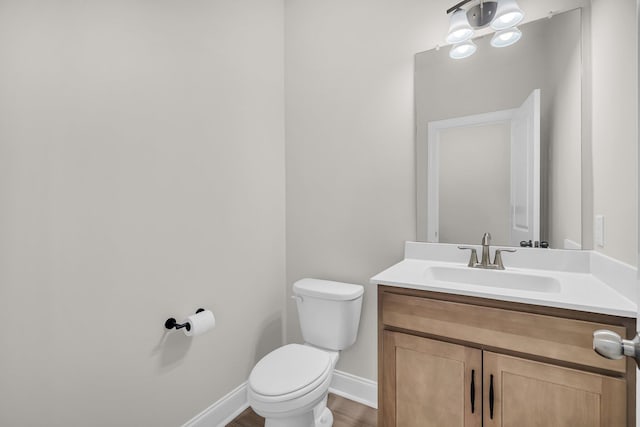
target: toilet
289 386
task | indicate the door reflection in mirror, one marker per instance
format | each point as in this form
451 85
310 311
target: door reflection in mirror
484 174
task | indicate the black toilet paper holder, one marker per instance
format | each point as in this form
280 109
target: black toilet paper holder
172 323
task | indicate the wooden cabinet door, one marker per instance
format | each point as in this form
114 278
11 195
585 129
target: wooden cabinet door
428 383
534 394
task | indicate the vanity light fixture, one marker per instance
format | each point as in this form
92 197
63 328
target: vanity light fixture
501 15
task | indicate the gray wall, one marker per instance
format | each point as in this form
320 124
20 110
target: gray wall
615 137
141 177
350 150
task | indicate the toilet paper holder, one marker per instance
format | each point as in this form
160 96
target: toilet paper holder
172 323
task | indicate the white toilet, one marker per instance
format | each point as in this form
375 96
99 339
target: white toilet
289 386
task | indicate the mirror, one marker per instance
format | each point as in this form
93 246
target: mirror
477 170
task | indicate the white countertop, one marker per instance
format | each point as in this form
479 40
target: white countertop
580 290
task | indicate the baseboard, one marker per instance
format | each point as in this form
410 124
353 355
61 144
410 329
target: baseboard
223 411
355 388
343 384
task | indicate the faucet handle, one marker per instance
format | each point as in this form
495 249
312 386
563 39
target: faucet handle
497 260
473 259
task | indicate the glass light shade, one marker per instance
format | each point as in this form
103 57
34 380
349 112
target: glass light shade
463 50
508 15
459 28
506 37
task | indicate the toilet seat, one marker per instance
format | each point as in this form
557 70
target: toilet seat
289 372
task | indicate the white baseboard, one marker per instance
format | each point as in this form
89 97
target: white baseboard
355 388
343 384
223 411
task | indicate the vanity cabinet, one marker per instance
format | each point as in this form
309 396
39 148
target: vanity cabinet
449 360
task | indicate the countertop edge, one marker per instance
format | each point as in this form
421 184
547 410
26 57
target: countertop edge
510 298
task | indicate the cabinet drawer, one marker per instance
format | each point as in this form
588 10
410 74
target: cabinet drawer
535 334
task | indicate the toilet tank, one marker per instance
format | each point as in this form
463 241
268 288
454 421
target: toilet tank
329 312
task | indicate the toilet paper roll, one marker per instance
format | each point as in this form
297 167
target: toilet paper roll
199 323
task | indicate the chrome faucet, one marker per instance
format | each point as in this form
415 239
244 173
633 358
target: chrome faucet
485 260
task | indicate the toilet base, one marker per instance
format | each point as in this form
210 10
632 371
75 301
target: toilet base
321 416
304 420
325 419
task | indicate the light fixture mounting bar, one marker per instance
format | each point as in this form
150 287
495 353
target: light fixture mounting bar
458 6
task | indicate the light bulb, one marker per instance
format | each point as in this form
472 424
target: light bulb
508 14
506 37
463 50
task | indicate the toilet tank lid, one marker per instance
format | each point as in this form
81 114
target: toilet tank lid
327 289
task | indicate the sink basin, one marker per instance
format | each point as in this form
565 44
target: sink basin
493 278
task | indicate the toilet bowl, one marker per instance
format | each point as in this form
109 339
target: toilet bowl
289 386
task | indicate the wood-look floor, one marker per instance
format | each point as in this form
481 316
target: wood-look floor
346 413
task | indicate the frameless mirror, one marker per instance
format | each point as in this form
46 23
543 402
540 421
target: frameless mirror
499 139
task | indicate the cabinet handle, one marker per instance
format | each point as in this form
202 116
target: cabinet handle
491 397
473 390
